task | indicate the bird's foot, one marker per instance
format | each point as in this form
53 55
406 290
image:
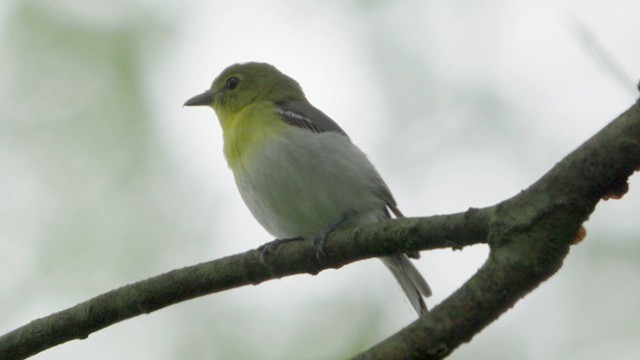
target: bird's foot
321 239
319 242
267 249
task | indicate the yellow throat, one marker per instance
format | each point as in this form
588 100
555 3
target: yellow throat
243 131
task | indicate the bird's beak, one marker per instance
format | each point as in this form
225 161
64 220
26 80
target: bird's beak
204 99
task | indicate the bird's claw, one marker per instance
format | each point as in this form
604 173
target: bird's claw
267 249
319 243
321 239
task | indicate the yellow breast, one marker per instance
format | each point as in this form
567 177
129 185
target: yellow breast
246 130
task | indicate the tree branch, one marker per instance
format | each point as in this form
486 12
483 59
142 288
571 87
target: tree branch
529 236
343 247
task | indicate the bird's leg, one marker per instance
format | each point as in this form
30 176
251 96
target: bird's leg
268 248
320 239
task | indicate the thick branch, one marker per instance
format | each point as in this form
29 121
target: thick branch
529 237
77 322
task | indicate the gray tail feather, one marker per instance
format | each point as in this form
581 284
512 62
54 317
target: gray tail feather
410 280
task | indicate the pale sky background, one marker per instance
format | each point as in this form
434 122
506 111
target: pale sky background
105 179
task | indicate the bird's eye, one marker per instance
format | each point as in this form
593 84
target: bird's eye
232 83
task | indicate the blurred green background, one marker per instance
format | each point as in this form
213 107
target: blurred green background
105 179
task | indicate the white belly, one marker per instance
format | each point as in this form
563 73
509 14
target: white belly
297 184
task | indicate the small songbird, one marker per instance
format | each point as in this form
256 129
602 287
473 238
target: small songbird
296 169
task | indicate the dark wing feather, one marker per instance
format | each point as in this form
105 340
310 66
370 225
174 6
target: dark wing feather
306 116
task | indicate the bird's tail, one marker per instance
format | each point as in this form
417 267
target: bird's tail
410 280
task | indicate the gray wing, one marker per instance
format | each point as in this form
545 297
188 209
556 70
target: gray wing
306 116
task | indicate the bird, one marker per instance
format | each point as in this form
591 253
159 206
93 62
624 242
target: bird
296 169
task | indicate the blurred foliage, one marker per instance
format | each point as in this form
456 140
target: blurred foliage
78 120
92 198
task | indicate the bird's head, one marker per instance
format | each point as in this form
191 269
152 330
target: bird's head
241 85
